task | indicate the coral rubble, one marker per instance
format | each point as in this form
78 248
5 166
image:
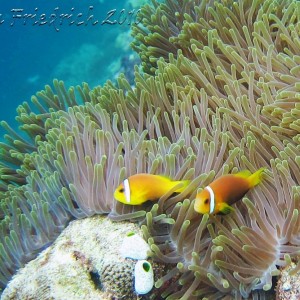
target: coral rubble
288 285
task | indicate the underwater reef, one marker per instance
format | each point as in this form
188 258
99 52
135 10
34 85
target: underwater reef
219 93
83 263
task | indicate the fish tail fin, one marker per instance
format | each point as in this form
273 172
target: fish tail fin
256 177
184 184
243 174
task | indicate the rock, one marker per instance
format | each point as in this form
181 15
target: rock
83 263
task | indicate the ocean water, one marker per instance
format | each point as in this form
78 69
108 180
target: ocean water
74 41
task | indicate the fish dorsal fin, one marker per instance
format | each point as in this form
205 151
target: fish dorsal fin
243 174
164 177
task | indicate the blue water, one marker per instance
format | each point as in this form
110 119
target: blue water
32 55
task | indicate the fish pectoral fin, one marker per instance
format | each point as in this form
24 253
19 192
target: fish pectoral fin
226 209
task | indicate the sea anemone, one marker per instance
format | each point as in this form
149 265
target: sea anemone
224 97
32 127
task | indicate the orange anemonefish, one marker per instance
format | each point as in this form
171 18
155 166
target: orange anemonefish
226 190
139 188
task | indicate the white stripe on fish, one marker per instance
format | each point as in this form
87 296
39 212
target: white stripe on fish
127 190
212 199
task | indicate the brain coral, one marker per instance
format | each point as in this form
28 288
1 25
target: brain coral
219 93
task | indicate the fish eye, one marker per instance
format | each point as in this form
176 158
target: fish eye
121 190
206 201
